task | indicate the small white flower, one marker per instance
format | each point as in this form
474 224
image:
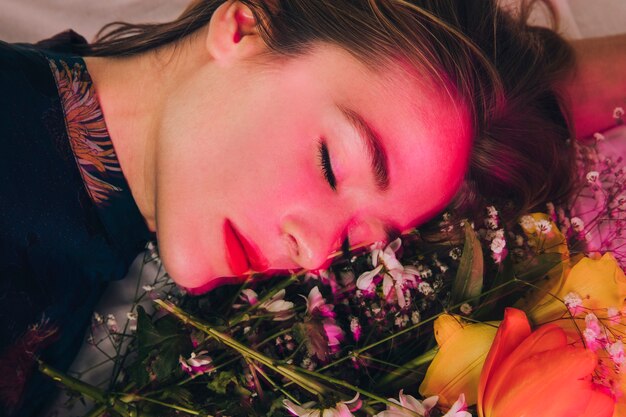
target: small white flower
97 318
592 176
355 328
528 223
111 322
594 333
578 225
573 302
131 315
425 288
365 280
616 352
283 310
415 317
491 210
148 288
613 314
497 245
544 226
491 223
598 136
466 309
455 253
307 363
618 112
401 320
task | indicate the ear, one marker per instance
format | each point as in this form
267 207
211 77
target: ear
233 34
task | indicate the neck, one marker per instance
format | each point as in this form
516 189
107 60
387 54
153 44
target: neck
132 92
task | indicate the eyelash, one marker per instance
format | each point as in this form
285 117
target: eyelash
324 161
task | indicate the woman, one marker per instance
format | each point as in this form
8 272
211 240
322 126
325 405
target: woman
256 136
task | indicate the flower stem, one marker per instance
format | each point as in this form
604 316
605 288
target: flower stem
97 411
87 390
288 372
246 314
135 397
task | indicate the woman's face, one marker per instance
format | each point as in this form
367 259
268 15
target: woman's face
272 167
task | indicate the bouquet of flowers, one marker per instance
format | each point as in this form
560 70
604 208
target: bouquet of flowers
486 320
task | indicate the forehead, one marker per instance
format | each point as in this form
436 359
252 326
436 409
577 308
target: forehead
426 133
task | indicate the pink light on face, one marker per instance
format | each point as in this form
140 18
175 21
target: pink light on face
260 145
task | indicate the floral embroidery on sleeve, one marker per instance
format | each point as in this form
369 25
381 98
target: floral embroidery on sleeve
86 129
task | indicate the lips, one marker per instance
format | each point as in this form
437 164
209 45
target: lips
242 255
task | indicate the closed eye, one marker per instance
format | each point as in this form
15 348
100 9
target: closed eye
325 165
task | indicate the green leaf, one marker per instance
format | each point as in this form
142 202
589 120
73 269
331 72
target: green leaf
538 266
531 271
159 345
468 282
220 383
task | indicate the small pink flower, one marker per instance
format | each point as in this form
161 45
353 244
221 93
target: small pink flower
408 406
458 408
334 335
573 302
355 328
249 296
341 409
316 304
613 314
594 333
196 364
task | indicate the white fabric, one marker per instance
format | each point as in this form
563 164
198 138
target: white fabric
33 20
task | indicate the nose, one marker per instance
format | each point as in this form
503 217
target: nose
310 242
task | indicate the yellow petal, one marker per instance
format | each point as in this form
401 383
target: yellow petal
599 282
550 242
457 365
445 326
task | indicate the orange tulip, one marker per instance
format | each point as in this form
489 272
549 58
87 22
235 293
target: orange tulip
537 374
599 285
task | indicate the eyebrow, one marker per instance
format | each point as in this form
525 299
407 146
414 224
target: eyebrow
373 144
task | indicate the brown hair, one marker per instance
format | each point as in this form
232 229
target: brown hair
501 67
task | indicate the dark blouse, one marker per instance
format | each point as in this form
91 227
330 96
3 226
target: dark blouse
68 222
